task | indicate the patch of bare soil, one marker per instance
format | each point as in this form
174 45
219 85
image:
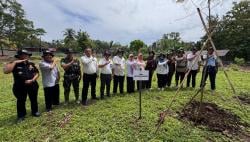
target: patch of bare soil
214 118
244 98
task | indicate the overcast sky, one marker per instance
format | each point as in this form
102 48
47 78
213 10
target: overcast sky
121 20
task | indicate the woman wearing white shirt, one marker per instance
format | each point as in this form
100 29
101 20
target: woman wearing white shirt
162 71
193 65
105 64
130 72
140 65
118 68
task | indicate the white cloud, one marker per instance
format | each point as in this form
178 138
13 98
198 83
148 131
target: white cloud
120 20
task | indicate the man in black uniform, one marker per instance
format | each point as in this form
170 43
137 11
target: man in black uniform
25 75
72 75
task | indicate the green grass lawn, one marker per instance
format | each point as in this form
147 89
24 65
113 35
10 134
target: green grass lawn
115 119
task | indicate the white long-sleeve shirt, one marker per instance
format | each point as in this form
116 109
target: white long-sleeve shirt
49 76
89 64
162 67
107 69
193 61
130 68
119 66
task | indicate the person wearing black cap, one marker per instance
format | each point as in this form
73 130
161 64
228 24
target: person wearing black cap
50 79
105 64
119 68
72 75
25 75
150 66
193 65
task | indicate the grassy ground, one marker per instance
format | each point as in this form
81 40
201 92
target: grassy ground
114 119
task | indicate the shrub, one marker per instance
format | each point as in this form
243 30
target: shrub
239 61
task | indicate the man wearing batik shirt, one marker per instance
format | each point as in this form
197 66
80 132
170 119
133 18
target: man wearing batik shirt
72 75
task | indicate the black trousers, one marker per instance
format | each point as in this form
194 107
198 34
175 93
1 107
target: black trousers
149 82
105 82
192 75
21 91
130 85
89 79
51 96
210 71
67 84
162 80
169 78
179 76
118 80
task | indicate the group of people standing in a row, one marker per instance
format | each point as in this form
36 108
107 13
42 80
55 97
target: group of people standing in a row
25 74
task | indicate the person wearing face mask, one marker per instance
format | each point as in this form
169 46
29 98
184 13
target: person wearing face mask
162 70
105 64
72 75
25 75
50 79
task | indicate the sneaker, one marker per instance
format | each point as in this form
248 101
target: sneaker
162 89
159 89
66 103
37 114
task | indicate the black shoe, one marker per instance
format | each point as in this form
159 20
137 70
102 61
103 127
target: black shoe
84 103
108 95
37 114
20 119
102 98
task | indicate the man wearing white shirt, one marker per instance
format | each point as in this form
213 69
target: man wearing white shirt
193 65
119 67
50 79
90 71
105 64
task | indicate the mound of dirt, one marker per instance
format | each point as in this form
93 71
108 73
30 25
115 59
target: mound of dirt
215 118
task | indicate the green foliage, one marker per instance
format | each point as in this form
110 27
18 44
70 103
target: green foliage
135 45
233 31
14 26
239 61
